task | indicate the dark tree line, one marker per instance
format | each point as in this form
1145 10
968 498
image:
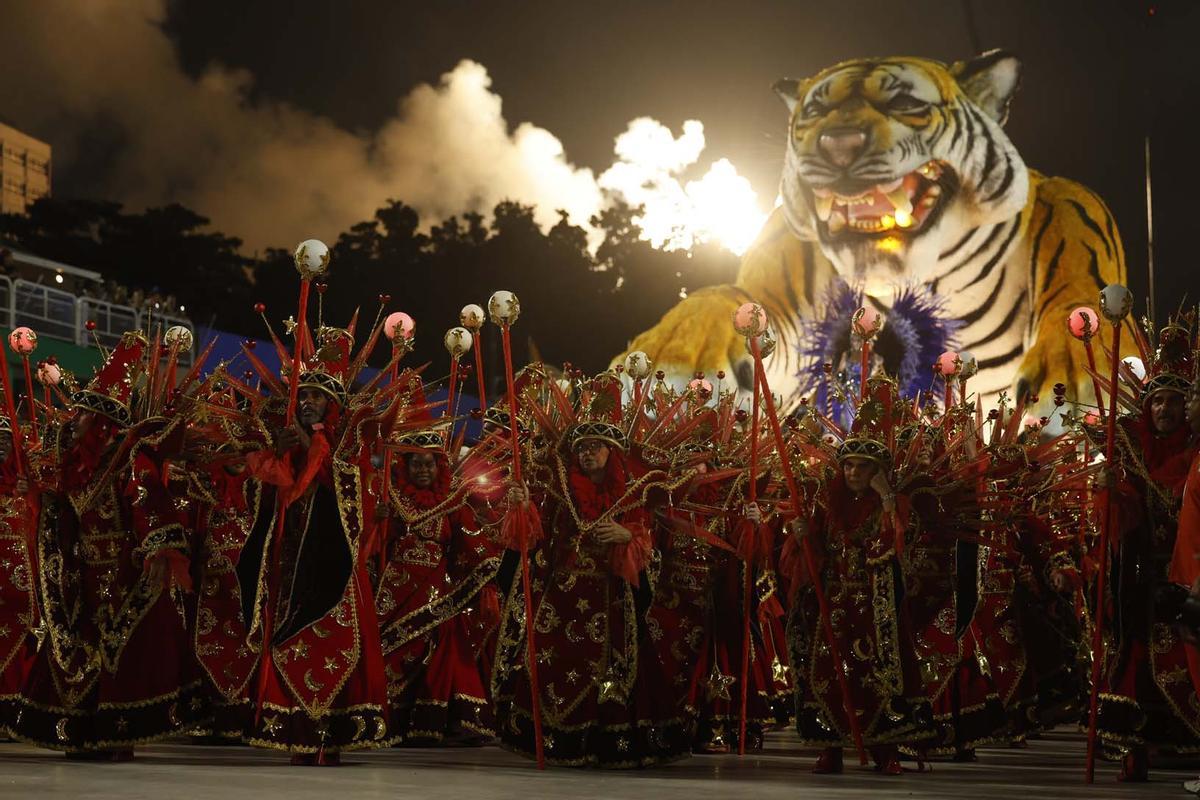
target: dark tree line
575 306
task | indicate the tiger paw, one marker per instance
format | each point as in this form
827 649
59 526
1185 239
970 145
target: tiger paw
1055 358
697 335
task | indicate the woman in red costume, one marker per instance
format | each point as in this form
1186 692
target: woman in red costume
604 698
696 621
116 668
440 561
853 534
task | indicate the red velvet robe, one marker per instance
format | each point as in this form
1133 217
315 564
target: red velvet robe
324 687
696 622
439 568
17 642
855 548
1147 697
117 667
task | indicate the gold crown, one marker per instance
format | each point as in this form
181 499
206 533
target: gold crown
596 429
864 447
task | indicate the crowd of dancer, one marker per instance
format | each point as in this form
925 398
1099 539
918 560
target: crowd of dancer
616 572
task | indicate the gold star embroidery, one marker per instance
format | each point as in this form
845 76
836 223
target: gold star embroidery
331 664
272 725
583 605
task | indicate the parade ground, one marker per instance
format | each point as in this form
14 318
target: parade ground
1051 767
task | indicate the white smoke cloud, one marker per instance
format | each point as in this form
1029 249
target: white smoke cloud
274 174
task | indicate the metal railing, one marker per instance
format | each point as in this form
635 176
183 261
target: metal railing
6 297
112 320
59 314
50 312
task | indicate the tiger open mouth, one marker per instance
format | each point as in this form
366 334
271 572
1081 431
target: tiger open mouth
904 204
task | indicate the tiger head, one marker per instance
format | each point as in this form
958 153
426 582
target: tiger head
890 162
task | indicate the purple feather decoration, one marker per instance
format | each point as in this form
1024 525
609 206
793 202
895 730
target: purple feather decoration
915 333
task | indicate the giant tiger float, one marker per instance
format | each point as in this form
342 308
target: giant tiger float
901 190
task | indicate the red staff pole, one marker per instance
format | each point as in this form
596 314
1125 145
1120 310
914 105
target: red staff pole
33 425
281 505
535 699
479 380
1105 537
748 567
809 559
866 365
450 409
1091 357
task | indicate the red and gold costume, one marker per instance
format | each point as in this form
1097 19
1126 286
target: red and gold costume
318 686
605 699
440 561
1147 697
696 620
17 601
116 668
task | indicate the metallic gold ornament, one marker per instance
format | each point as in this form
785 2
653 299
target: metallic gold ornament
504 307
311 258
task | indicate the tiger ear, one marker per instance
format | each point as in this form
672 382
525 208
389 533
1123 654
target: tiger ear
788 90
990 80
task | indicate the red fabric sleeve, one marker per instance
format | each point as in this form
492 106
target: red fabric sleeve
1185 560
267 467
627 560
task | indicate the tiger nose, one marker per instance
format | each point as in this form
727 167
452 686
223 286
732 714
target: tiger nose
842 145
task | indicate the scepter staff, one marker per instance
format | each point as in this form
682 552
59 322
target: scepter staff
750 320
522 527
311 259
24 342
1115 304
471 318
10 410
1083 323
458 341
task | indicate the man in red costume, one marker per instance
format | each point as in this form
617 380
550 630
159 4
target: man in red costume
1146 699
116 668
319 686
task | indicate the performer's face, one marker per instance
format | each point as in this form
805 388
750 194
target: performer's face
5 446
312 406
422 470
1192 410
858 473
79 425
1166 412
592 455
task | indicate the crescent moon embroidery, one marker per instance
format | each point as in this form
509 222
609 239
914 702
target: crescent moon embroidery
60 729
360 727
311 684
380 728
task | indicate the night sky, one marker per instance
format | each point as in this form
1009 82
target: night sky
1098 76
